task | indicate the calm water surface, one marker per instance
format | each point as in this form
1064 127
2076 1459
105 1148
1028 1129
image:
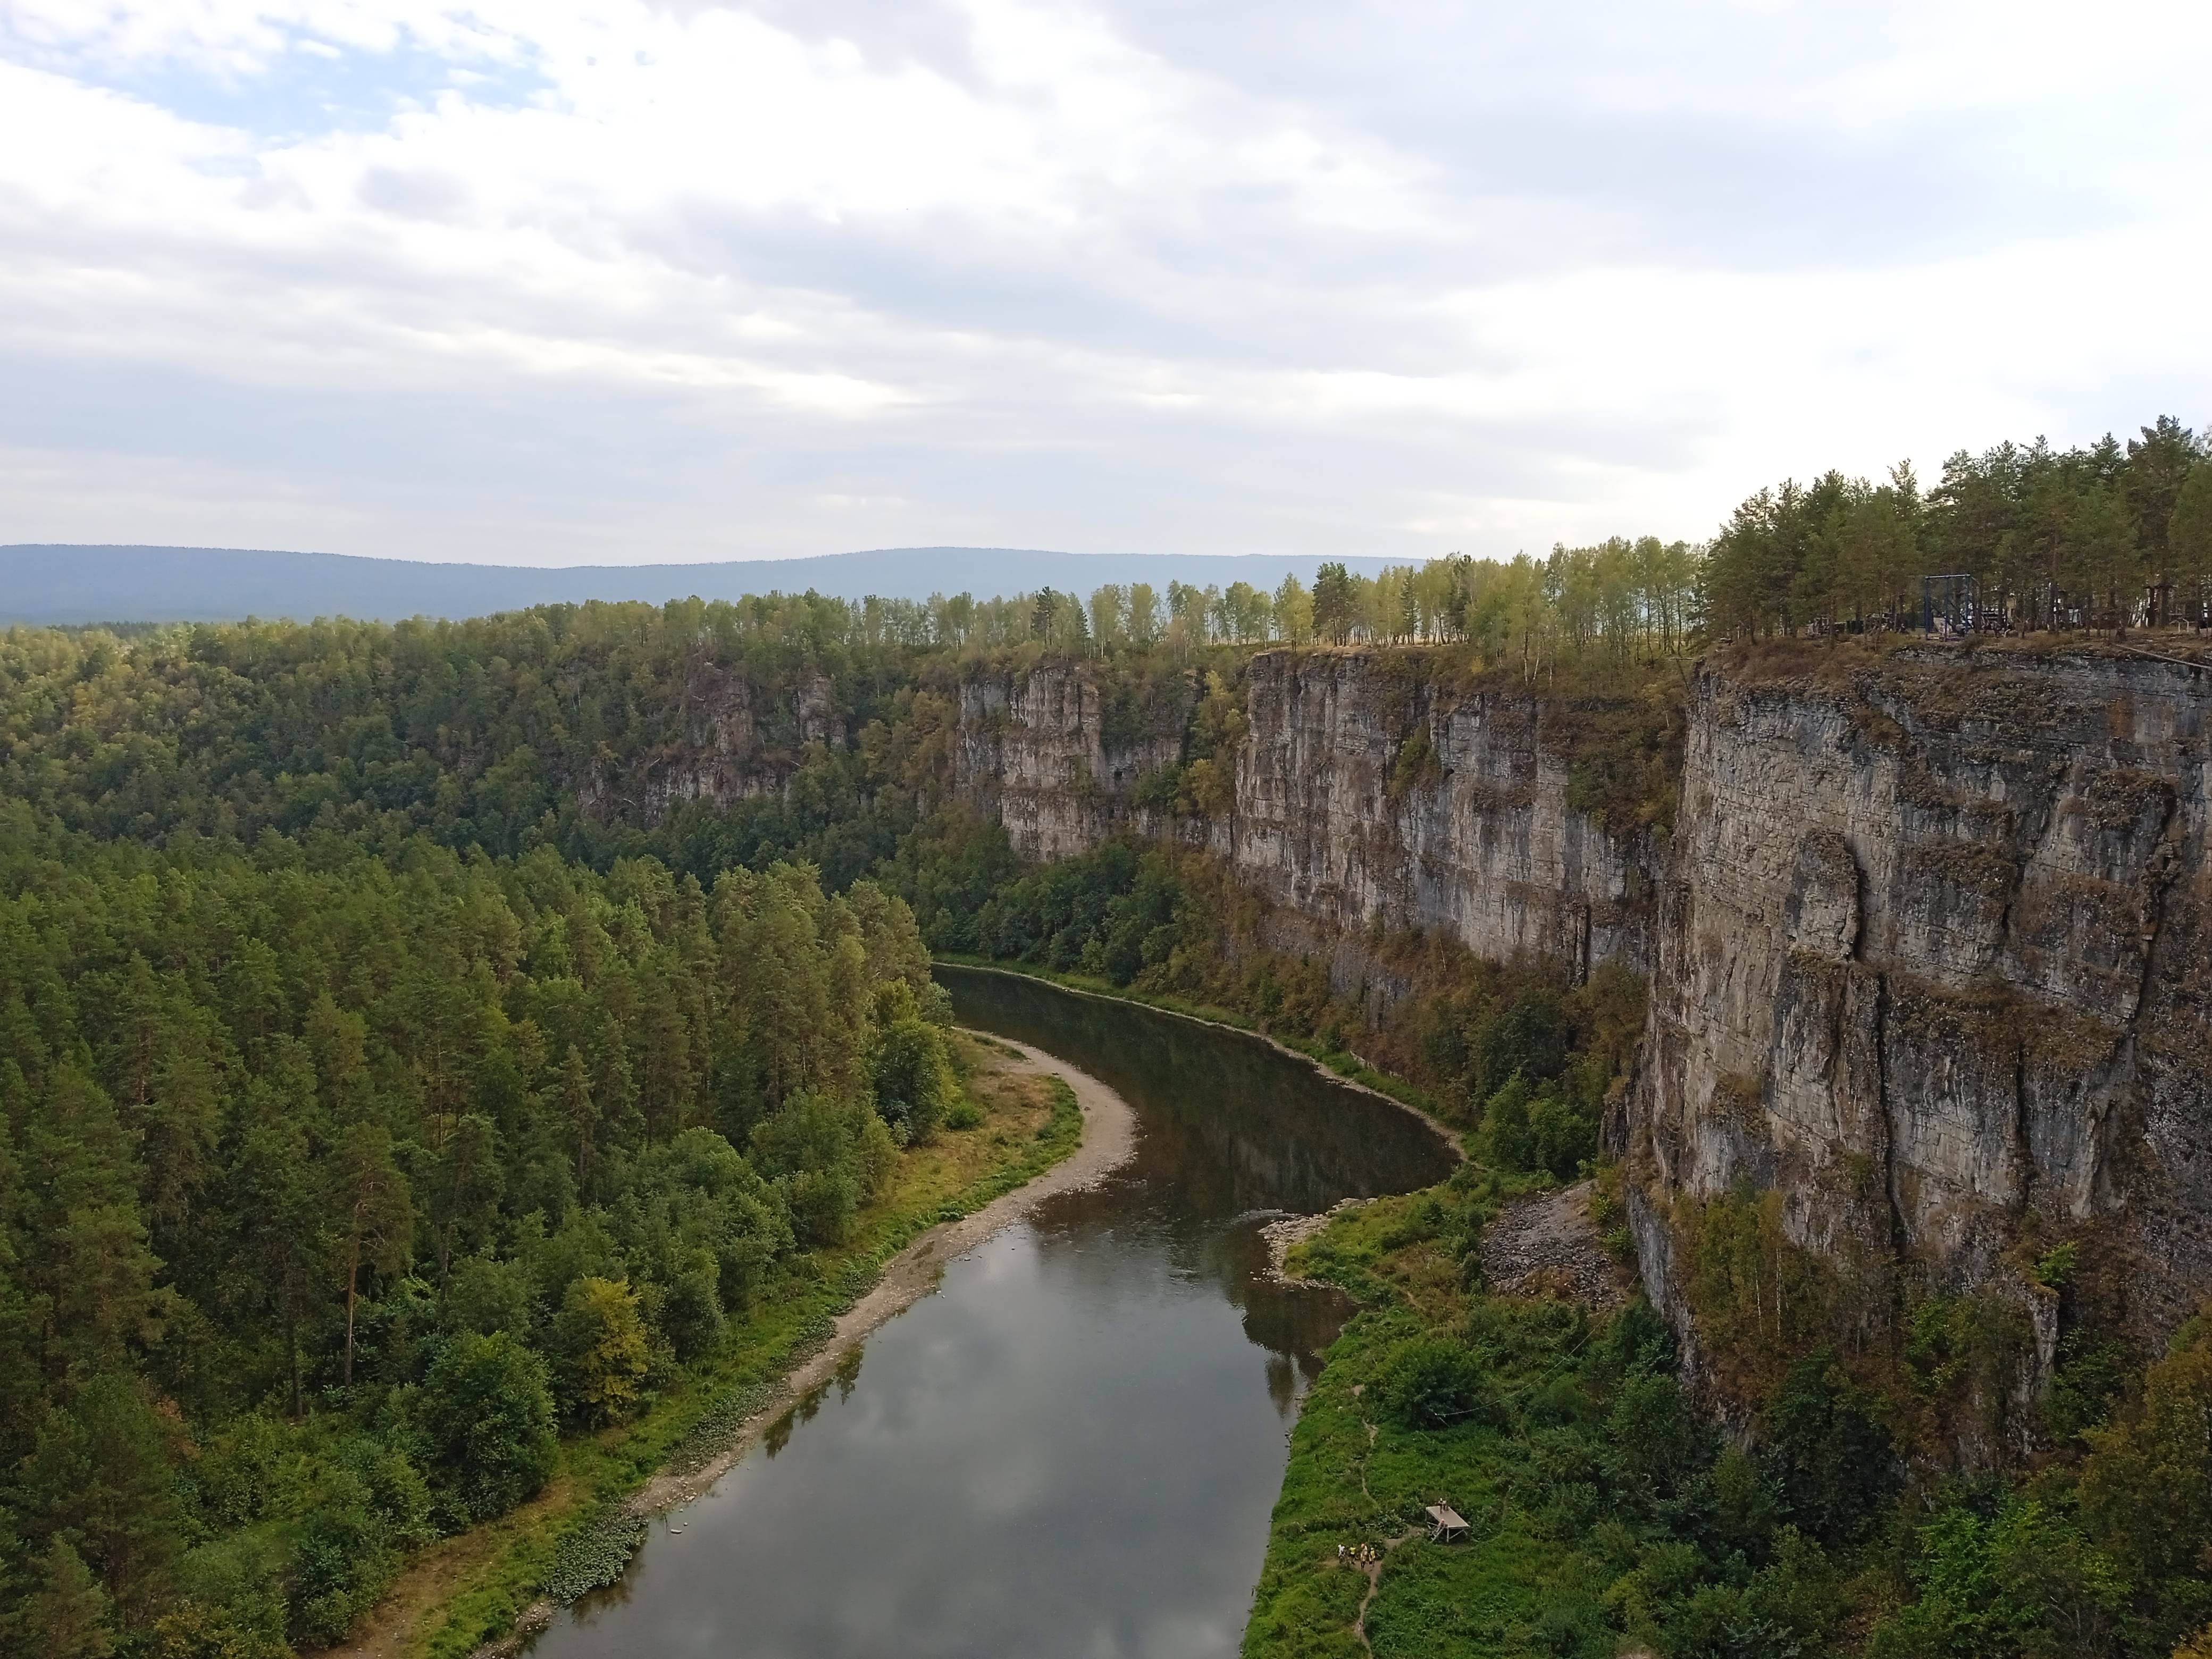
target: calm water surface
1072 1448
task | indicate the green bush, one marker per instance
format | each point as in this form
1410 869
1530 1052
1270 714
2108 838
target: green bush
1434 1383
2001 1573
1541 1127
605 1352
915 1086
196 1632
341 1557
1837 1463
487 1408
833 1154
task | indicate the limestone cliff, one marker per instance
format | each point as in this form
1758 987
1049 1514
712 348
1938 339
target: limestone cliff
1363 794
1929 946
728 741
1932 959
1033 748
1366 793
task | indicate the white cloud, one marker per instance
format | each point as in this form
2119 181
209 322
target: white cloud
623 281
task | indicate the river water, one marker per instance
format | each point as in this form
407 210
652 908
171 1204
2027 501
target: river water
1072 1448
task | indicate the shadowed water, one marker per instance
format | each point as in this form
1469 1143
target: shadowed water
1072 1448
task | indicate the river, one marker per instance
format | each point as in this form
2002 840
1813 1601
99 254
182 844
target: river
1071 1447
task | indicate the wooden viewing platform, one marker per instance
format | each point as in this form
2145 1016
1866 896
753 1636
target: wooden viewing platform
1445 1523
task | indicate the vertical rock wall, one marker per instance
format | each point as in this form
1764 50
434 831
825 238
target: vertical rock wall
1930 950
1364 795
1032 748
1933 955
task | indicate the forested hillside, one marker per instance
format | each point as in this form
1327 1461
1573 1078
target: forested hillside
340 1181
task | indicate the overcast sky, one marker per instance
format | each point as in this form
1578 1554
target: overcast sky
527 282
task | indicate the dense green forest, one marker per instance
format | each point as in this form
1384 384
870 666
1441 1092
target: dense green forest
387 1094
2107 536
339 1180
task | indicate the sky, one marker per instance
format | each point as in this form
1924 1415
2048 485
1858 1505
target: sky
533 282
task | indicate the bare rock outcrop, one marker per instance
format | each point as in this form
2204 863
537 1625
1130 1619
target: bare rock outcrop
1366 795
1934 957
1363 795
1033 748
726 741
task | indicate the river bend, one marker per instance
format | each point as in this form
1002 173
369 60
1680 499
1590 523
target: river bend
1071 1447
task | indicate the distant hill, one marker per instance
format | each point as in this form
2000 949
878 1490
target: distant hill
62 583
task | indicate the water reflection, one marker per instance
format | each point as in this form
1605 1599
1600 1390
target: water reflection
1231 1124
1072 1448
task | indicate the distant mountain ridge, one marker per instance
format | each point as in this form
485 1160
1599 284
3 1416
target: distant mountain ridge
64 583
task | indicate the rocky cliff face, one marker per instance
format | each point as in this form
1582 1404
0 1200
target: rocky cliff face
1364 794
1930 949
1033 748
732 743
1935 958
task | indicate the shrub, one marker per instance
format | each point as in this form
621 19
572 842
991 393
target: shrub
341 1559
832 1154
1528 1128
488 1410
1838 1466
1654 1439
194 1632
1433 1382
232 1603
238 1476
915 1086
2005 1574
823 1203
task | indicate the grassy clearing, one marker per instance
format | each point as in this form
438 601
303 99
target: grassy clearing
470 1590
1356 1476
1507 1456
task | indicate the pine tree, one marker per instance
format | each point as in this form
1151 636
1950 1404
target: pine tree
2189 538
373 1212
579 1115
66 1617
